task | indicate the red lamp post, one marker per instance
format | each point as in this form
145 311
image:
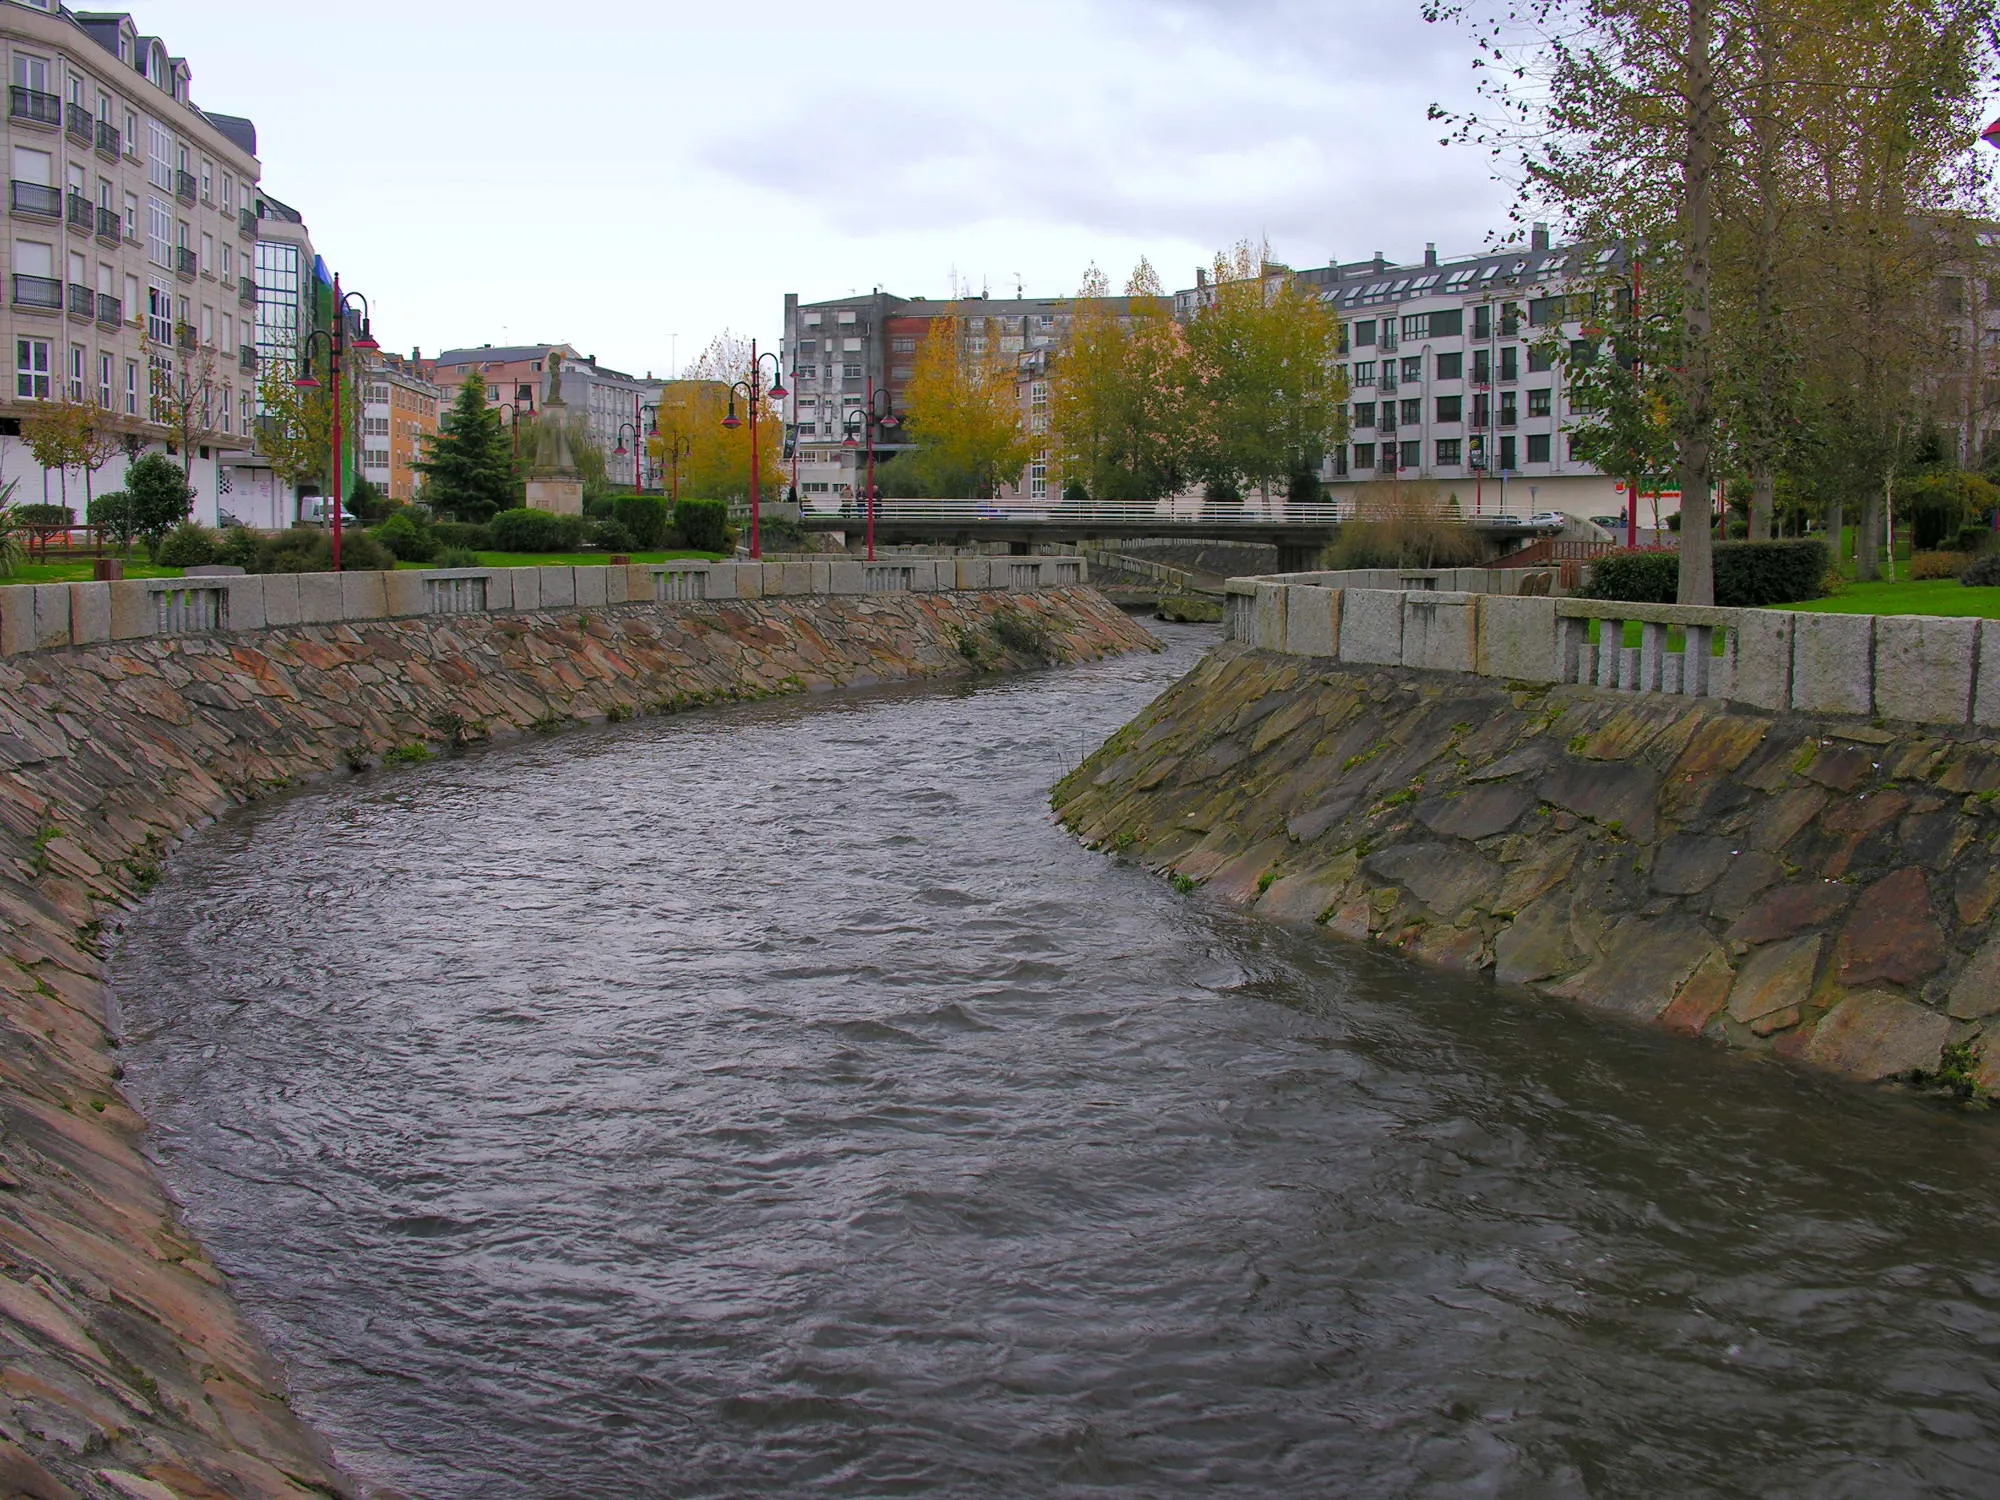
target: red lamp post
752 390
870 418
336 343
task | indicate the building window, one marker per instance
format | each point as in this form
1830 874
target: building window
1364 373
1038 476
1510 362
132 387
1507 464
77 358
1482 321
1413 411
1412 455
1539 359
1538 448
1448 452
851 372
1364 414
1539 402
1364 336
104 381
31 368
1451 366
1450 409
1364 455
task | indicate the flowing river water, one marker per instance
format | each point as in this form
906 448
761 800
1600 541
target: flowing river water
773 1101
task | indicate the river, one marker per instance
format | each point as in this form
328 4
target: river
774 1101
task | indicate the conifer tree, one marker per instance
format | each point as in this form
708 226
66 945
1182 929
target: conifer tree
469 465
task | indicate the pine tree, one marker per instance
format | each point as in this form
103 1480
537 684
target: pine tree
469 467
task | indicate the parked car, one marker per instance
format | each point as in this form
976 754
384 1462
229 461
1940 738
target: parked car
318 512
1548 518
1609 523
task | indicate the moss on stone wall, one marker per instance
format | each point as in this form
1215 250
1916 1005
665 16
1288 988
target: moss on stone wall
1823 889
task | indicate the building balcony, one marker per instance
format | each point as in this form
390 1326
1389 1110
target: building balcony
34 201
27 106
246 291
110 227
110 140
246 224
184 336
1507 419
82 303
185 187
186 263
110 310
246 357
78 124
38 293
82 214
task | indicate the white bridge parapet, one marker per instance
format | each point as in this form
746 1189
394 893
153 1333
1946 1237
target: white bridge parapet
43 617
1912 668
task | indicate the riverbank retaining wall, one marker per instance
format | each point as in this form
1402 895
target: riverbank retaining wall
1820 885
126 1371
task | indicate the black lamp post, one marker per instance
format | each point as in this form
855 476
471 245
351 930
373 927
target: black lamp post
868 418
336 340
752 391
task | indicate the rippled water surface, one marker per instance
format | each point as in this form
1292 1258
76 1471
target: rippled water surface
774 1102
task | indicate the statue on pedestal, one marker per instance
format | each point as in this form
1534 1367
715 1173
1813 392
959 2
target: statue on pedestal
554 482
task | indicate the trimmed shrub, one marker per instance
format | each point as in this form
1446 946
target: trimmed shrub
1937 564
1975 539
1634 577
524 530
112 514
44 515
188 545
644 516
469 535
410 539
703 524
306 549
1982 572
239 548
455 557
1749 574
609 536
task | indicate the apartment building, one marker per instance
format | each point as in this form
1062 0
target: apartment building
399 411
516 377
834 352
130 264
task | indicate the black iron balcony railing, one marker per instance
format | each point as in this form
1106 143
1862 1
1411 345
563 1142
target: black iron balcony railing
186 263
110 310
110 140
42 292
184 336
184 186
246 356
33 107
78 124
110 227
246 291
34 200
82 213
246 224
82 302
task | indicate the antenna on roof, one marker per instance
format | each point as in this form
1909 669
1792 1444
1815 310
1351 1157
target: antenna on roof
1020 287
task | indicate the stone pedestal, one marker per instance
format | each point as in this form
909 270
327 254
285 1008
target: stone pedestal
556 495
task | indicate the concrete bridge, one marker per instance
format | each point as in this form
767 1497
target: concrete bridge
1299 532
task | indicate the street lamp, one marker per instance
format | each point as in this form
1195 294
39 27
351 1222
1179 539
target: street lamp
619 451
753 397
652 429
336 346
869 418
675 448
513 411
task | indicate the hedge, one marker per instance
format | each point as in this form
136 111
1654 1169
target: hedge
524 530
468 535
1747 574
645 516
703 524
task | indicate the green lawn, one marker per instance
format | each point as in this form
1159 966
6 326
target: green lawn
1931 596
78 571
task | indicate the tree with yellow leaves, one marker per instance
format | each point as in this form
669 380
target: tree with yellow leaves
1118 404
964 414
704 459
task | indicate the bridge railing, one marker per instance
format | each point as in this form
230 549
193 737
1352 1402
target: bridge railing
1249 512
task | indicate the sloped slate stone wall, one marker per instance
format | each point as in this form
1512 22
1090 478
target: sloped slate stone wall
126 1371
1818 887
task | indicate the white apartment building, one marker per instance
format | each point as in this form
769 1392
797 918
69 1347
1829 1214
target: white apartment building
130 268
1450 379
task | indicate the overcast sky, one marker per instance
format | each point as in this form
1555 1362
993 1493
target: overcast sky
634 176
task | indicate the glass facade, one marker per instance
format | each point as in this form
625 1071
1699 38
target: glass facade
280 282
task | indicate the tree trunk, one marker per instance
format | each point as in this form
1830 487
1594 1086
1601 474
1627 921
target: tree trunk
1763 504
1697 571
1868 540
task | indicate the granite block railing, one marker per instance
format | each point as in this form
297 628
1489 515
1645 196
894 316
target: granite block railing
41 617
1911 668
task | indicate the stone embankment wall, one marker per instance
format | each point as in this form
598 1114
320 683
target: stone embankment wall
127 1373
1818 886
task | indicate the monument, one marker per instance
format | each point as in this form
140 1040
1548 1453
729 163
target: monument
554 482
